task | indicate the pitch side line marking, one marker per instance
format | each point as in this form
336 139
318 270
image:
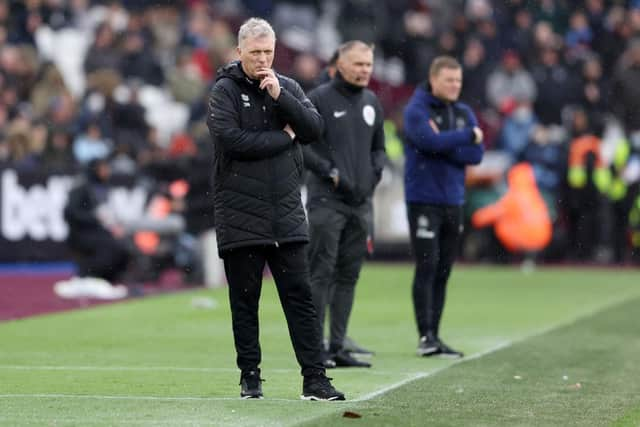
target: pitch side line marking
171 368
125 397
368 396
498 347
420 375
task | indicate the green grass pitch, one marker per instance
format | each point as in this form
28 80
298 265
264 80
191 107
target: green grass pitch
530 340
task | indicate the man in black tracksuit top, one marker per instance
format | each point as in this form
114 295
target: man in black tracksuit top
256 119
346 166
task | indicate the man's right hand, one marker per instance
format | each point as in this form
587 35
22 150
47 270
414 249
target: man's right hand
478 135
290 131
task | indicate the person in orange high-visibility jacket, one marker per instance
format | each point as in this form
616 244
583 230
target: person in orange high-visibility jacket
520 218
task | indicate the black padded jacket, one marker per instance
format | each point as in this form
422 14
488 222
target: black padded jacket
257 167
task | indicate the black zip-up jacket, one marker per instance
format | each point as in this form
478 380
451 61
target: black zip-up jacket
80 215
352 143
257 166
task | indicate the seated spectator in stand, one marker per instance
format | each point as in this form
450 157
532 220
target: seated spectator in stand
130 125
519 124
510 83
138 61
91 145
103 52
306 70
554 83
20 154
185 81
57 156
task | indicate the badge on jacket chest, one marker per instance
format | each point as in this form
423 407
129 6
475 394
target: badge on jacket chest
245 99
369 115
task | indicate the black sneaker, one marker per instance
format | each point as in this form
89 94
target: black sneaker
251 385
344 360
446 351
428 346
352 347
318 387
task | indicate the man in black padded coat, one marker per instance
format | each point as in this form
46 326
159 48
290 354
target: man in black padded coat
257 119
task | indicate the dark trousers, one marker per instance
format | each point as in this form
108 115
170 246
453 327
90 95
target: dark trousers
288 265
337 250
435 232
100 255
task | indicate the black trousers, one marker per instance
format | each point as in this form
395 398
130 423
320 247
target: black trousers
289 267
100 255
435 232
337 250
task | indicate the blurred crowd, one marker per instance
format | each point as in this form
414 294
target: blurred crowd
555 83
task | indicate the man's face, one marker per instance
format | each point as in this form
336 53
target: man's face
446 84
356 66
256 53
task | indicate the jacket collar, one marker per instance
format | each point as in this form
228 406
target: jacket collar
427 95
233 70
345 87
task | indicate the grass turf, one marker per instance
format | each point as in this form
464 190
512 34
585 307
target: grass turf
161 361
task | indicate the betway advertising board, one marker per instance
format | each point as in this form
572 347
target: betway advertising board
32 225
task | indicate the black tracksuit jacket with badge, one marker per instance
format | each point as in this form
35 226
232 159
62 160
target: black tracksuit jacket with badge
257 167
352 143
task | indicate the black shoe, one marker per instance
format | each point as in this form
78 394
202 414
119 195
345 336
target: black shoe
251 385
352 347
446 351
344 360
428 346
318 387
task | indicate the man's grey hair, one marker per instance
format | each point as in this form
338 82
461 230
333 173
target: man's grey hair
255 28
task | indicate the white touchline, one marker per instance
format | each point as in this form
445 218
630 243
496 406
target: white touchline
369 396
419 375
170 368
127 397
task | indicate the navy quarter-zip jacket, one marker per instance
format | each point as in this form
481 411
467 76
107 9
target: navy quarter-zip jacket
435 161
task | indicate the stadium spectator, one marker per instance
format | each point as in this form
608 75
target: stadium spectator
626 89
306 69
256 119
346 167
103 53
554 87
91 145
510 83
49 86
184 80
138 61
476 71
442 137
329 71
58 156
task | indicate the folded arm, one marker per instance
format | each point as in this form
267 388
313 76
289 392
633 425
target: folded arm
238 143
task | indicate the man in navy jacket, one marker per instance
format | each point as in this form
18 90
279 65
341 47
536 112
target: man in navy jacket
442 138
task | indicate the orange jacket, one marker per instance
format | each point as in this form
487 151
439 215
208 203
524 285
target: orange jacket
520 218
